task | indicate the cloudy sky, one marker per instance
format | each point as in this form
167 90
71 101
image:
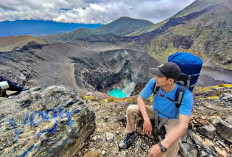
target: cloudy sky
89 11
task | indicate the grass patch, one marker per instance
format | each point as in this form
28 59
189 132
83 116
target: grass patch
210 98
113 99
204 89
225 85
91 98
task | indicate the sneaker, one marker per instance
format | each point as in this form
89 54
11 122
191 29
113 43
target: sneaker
126 143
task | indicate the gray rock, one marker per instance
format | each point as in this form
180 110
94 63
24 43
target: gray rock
226 98
221 143
198 142
102 111
208 131
203 154
94 138
223 129
187 150
109 136
229 120
50 122
103 152
190 141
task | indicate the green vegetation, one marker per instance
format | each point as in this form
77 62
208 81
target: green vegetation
196 6
113 99
158 25
78 33
124 26
88 98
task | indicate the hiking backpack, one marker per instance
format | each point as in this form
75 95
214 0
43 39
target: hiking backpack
190 66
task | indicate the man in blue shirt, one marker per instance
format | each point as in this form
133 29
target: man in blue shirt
178 119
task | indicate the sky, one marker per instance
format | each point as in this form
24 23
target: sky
89 11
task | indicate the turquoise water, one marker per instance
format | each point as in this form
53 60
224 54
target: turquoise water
117 93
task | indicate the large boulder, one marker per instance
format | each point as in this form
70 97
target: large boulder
208 131
223 129
50 122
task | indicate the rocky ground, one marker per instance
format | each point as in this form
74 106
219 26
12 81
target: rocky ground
110 130
210 128
209 131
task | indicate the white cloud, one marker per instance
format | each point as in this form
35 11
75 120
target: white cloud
89 11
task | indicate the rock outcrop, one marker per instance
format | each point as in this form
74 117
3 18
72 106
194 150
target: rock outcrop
224 129
28 46
50 122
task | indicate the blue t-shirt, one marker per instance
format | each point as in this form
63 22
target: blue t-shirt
165 107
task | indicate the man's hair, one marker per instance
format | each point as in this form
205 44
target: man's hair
169 78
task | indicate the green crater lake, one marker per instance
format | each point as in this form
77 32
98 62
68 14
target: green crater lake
117 93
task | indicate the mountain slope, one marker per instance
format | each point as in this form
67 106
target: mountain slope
196 6
124 26
78 33
9 43
206 31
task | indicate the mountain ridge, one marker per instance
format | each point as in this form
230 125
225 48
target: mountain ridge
122 26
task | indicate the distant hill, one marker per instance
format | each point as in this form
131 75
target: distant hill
9 43
124 26
39 27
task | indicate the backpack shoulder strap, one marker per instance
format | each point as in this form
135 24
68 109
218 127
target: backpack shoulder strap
155 89
179 95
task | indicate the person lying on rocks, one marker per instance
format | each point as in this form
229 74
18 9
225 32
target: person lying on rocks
6 84
177 119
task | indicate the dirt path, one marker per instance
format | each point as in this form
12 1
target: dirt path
70 71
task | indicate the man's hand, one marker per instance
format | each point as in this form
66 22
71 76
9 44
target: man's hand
155 151
147 127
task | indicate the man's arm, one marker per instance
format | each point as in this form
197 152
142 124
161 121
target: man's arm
172 136
147 126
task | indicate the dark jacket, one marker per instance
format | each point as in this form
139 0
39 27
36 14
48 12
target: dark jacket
12 86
